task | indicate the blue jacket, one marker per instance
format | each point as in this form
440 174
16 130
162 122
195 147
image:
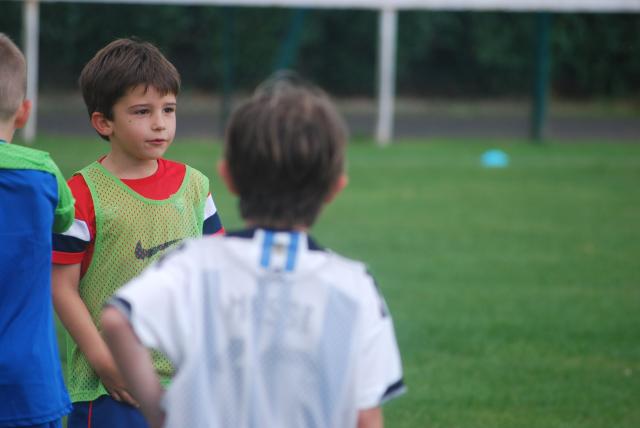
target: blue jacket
33 202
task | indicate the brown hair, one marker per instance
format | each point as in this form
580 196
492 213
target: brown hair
120 66
13 78
285 151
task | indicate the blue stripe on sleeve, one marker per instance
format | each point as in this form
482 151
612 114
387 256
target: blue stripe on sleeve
395 389
212 225
68 244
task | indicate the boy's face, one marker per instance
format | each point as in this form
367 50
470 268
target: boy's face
144 123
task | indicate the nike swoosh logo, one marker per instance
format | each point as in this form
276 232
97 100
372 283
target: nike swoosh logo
143 253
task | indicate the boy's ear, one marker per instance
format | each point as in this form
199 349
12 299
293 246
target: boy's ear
101 124
223 170
340 184
22 115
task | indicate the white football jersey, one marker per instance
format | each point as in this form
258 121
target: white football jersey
265 329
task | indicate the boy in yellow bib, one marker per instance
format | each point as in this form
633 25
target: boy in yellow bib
131 207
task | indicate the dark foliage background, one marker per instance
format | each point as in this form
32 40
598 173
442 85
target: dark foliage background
454 54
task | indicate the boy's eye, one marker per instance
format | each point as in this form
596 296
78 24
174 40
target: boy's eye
142 111
169 109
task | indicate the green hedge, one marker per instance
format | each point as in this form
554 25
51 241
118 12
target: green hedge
454 54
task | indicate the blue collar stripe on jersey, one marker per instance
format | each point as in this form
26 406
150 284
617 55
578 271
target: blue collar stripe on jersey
266 248
291 253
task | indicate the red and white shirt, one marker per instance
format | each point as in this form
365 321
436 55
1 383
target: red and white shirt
76 245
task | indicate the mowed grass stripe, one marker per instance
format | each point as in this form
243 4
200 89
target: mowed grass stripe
515 292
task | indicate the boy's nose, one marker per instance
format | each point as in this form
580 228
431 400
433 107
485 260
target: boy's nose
159 122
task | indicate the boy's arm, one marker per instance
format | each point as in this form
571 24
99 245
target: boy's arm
76 318
64 213
379 366
212 224
135 364
370 418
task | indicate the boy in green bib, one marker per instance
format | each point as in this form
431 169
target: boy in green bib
34 202
132 206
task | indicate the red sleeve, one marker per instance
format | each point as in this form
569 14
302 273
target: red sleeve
76 245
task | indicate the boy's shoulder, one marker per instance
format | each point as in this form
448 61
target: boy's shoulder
238 254
350 273
167 166
173 165
13 156
175 173
166 181
170 170
312 258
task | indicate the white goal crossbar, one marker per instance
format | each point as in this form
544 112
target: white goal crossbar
452 5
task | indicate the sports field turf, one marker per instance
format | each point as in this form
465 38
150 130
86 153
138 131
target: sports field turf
515 292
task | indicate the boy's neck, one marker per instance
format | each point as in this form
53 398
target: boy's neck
258 225
6 132
128 168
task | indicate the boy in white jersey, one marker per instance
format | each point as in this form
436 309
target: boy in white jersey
132 205
265 328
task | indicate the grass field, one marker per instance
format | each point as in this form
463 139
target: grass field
515 292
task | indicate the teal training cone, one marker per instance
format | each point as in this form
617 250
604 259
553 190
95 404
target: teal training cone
494 159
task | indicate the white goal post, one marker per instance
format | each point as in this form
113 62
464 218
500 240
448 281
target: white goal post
387 29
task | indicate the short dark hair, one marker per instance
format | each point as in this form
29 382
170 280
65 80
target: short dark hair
13 78
285 151
120 66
